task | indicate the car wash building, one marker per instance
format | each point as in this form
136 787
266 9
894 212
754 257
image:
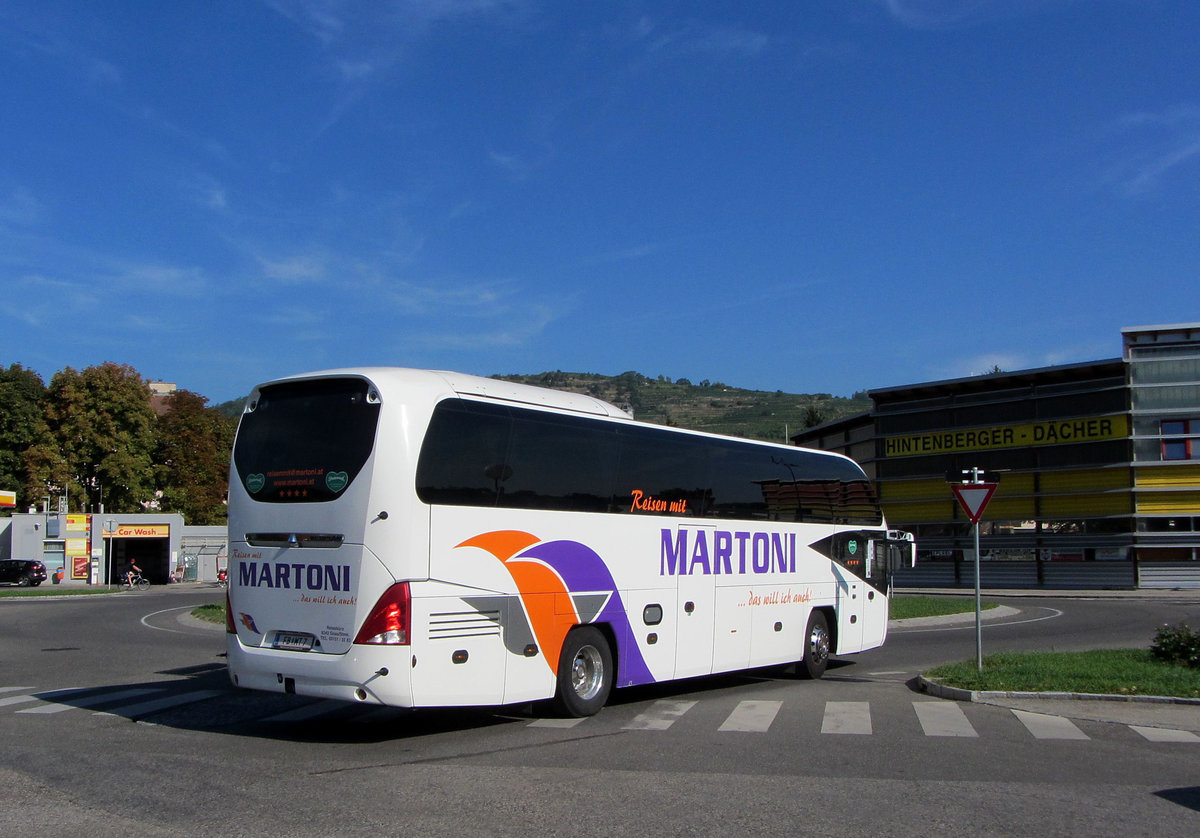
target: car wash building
1098 466
83 549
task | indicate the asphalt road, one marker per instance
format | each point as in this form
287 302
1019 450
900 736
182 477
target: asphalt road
116 718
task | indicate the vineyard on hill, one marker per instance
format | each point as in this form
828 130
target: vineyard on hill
705 406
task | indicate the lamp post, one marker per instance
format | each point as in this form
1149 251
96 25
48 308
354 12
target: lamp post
109 527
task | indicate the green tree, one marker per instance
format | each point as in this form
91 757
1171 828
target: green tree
194 443
103 432
21 427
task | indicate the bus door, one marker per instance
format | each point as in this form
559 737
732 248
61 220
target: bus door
877 579
864 562
695 613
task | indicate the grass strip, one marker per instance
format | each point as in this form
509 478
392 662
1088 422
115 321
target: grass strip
907 607
214 612
1103 671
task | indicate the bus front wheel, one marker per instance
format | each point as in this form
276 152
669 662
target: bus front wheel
585 673
816 646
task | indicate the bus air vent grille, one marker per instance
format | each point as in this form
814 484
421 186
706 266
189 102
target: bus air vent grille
448 625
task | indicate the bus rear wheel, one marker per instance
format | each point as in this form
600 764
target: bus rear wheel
585 673
817 644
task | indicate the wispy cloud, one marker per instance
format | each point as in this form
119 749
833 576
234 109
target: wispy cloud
1155 146
37 33
299 268
462 335
39 301
158 280
21 208
205 191
699 37
958 14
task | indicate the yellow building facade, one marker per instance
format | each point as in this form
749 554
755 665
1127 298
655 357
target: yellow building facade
1098 466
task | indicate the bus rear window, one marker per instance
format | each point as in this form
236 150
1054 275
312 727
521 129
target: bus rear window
306 441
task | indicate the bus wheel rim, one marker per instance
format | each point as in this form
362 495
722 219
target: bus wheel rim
587 672
818 644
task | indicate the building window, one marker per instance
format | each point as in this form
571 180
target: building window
1179 442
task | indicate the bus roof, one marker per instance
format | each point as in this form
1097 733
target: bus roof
464 384
451 383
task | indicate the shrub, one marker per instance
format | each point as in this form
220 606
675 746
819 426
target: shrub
1177 644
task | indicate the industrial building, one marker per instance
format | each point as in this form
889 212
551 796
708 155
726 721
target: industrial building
1098 466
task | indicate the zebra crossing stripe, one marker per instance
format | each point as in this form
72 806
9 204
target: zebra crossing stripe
308 711
145 708
561 724
752 716
660 716
943 719
852 717
16 699
1162 734
937 718
49 707
1049 727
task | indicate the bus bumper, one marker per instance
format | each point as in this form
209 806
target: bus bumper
325 676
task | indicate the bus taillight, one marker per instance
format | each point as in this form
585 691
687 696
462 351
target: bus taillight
390 619
230 628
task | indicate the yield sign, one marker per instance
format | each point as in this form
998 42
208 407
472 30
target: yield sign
973 497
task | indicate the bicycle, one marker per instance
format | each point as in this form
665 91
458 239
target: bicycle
137 581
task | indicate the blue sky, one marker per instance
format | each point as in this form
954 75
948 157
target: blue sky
811 196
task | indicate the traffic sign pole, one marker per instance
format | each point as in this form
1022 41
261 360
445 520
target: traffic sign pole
973 494
978 608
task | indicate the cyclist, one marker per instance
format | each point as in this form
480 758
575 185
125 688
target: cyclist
130 570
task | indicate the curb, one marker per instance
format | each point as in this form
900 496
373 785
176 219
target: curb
982 696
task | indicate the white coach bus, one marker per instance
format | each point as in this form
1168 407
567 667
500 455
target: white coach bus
417 538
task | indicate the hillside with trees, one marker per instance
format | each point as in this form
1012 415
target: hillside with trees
706 406
97 436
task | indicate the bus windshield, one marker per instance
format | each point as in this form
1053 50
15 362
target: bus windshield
306 441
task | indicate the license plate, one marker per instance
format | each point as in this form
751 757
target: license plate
293 641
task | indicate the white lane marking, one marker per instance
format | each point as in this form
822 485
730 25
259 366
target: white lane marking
1044 726
1163 734
852 717
752 716
971 624
146 707
561 724
660 716
308 711
16 699
943 719
57 706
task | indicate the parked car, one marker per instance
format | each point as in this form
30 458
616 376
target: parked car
23 572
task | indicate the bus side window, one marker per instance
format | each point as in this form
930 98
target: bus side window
462 459
559 462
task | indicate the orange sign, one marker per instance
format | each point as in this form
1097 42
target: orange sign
140 531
